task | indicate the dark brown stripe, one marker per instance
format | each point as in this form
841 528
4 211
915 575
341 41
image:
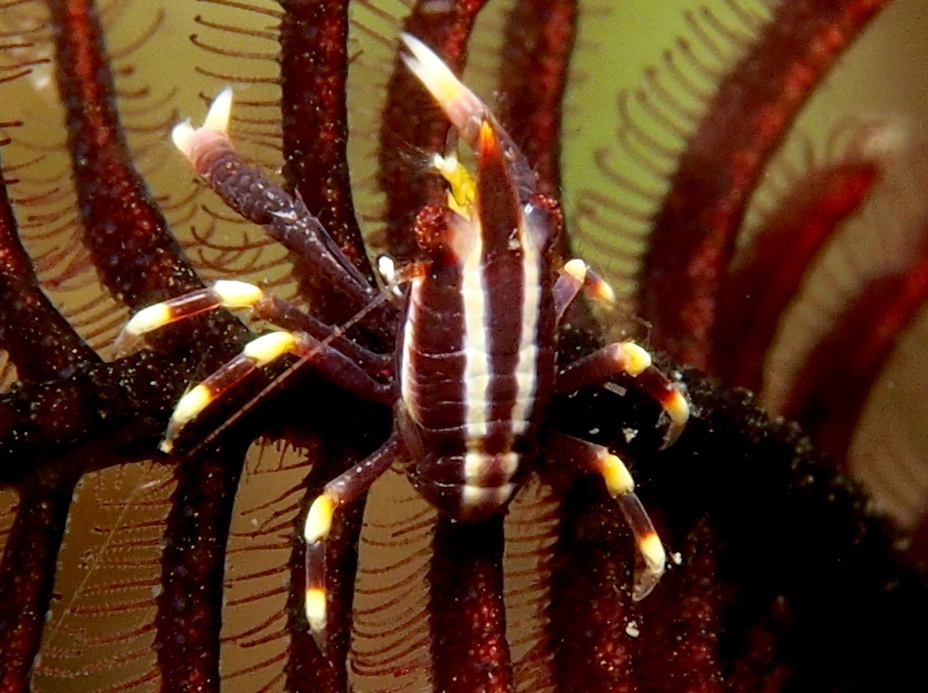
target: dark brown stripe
503 276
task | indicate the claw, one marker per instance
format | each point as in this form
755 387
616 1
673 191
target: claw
315 604
463 108
315 530
653 557
678 409
193 141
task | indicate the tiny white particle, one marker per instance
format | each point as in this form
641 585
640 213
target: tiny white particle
630 434
289 215
617 389
631 629
676 558
594 431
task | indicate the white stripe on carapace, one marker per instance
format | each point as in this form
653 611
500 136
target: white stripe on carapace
477 374
408 392
475 466
527 366
482 496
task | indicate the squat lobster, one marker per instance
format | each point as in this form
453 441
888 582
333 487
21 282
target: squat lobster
475 361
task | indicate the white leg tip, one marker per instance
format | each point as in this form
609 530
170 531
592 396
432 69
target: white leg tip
148 319
183 136
220 112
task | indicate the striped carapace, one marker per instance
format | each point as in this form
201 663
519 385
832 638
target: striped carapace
475 362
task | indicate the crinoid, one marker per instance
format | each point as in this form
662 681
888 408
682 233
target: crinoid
125 569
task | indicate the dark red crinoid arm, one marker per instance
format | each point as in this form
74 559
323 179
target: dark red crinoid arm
694 232
756 293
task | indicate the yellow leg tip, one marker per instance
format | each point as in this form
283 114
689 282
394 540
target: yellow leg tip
319 519
652 550
148 319
269 347
576 269
315 606
618 479
636 359
236 294
191 405
678 408
603 292
655 560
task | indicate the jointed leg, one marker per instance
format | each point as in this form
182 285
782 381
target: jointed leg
262 351
596 458
223 294
577 276
630 359
620 357
251 193
343 489
264 306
